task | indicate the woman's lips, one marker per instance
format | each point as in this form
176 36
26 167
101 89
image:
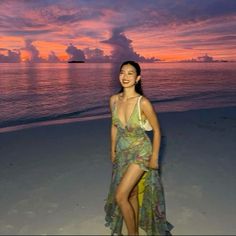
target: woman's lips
125 81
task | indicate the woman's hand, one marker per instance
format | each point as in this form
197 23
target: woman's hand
153 163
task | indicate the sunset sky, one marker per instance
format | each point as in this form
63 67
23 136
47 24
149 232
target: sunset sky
103 31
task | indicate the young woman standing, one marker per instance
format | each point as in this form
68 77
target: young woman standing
136 193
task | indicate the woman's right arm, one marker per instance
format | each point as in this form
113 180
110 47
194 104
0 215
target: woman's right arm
113 131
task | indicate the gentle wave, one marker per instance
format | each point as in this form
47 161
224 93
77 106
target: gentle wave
94 113
31 94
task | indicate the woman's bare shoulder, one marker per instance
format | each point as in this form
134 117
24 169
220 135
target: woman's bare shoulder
114 97
147 106
145 101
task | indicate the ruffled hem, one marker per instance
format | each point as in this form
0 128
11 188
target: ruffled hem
166 229
152 217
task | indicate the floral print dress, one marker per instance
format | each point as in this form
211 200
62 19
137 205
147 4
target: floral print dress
134 146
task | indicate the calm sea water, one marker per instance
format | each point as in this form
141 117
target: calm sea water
31 93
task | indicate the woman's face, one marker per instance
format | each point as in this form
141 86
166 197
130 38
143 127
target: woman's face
128 76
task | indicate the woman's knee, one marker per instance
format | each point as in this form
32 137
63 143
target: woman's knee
127 183
121 196
134 192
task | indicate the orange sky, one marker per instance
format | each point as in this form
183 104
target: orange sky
181 31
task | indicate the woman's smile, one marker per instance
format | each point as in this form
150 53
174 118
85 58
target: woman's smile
125 81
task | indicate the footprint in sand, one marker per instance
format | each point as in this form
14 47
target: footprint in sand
12 212
30 214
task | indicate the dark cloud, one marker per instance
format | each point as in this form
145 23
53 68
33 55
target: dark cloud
53 58
96 55
10 57
168 12
79 15
123 50
17 22
212 28
64 20
148 15
204 58
210 42
134 13
215 8
22 26
75 53
33 52
66 14
25 32
15 56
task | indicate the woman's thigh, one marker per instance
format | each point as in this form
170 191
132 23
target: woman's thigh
130 180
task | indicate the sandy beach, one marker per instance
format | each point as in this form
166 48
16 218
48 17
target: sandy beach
54 179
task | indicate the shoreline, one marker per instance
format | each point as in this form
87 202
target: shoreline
84 119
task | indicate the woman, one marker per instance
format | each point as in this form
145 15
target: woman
136 193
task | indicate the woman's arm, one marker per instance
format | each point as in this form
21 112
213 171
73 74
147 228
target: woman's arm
151 115
113 132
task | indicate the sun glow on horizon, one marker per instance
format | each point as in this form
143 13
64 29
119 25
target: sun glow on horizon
167 34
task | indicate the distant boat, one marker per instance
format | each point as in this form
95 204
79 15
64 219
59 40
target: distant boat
76 61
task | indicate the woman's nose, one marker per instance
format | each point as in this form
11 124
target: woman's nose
125 75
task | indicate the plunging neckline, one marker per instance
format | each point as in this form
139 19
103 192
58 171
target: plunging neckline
124 126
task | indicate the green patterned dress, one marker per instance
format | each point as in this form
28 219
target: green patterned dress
134 146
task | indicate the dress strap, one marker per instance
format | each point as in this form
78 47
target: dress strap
139 112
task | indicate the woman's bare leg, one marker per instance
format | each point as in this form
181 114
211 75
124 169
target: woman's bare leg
133 199
129 180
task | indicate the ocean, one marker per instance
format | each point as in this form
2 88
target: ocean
61 92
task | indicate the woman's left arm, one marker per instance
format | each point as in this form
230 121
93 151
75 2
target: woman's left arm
151 115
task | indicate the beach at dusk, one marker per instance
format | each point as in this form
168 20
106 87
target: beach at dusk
60 63
54 178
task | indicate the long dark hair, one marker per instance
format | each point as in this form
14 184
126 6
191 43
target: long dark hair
138 86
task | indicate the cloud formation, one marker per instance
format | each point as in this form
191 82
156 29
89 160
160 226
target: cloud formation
164 29
75 53
32 51
96 55
11 56
123 49
204 58
53 58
